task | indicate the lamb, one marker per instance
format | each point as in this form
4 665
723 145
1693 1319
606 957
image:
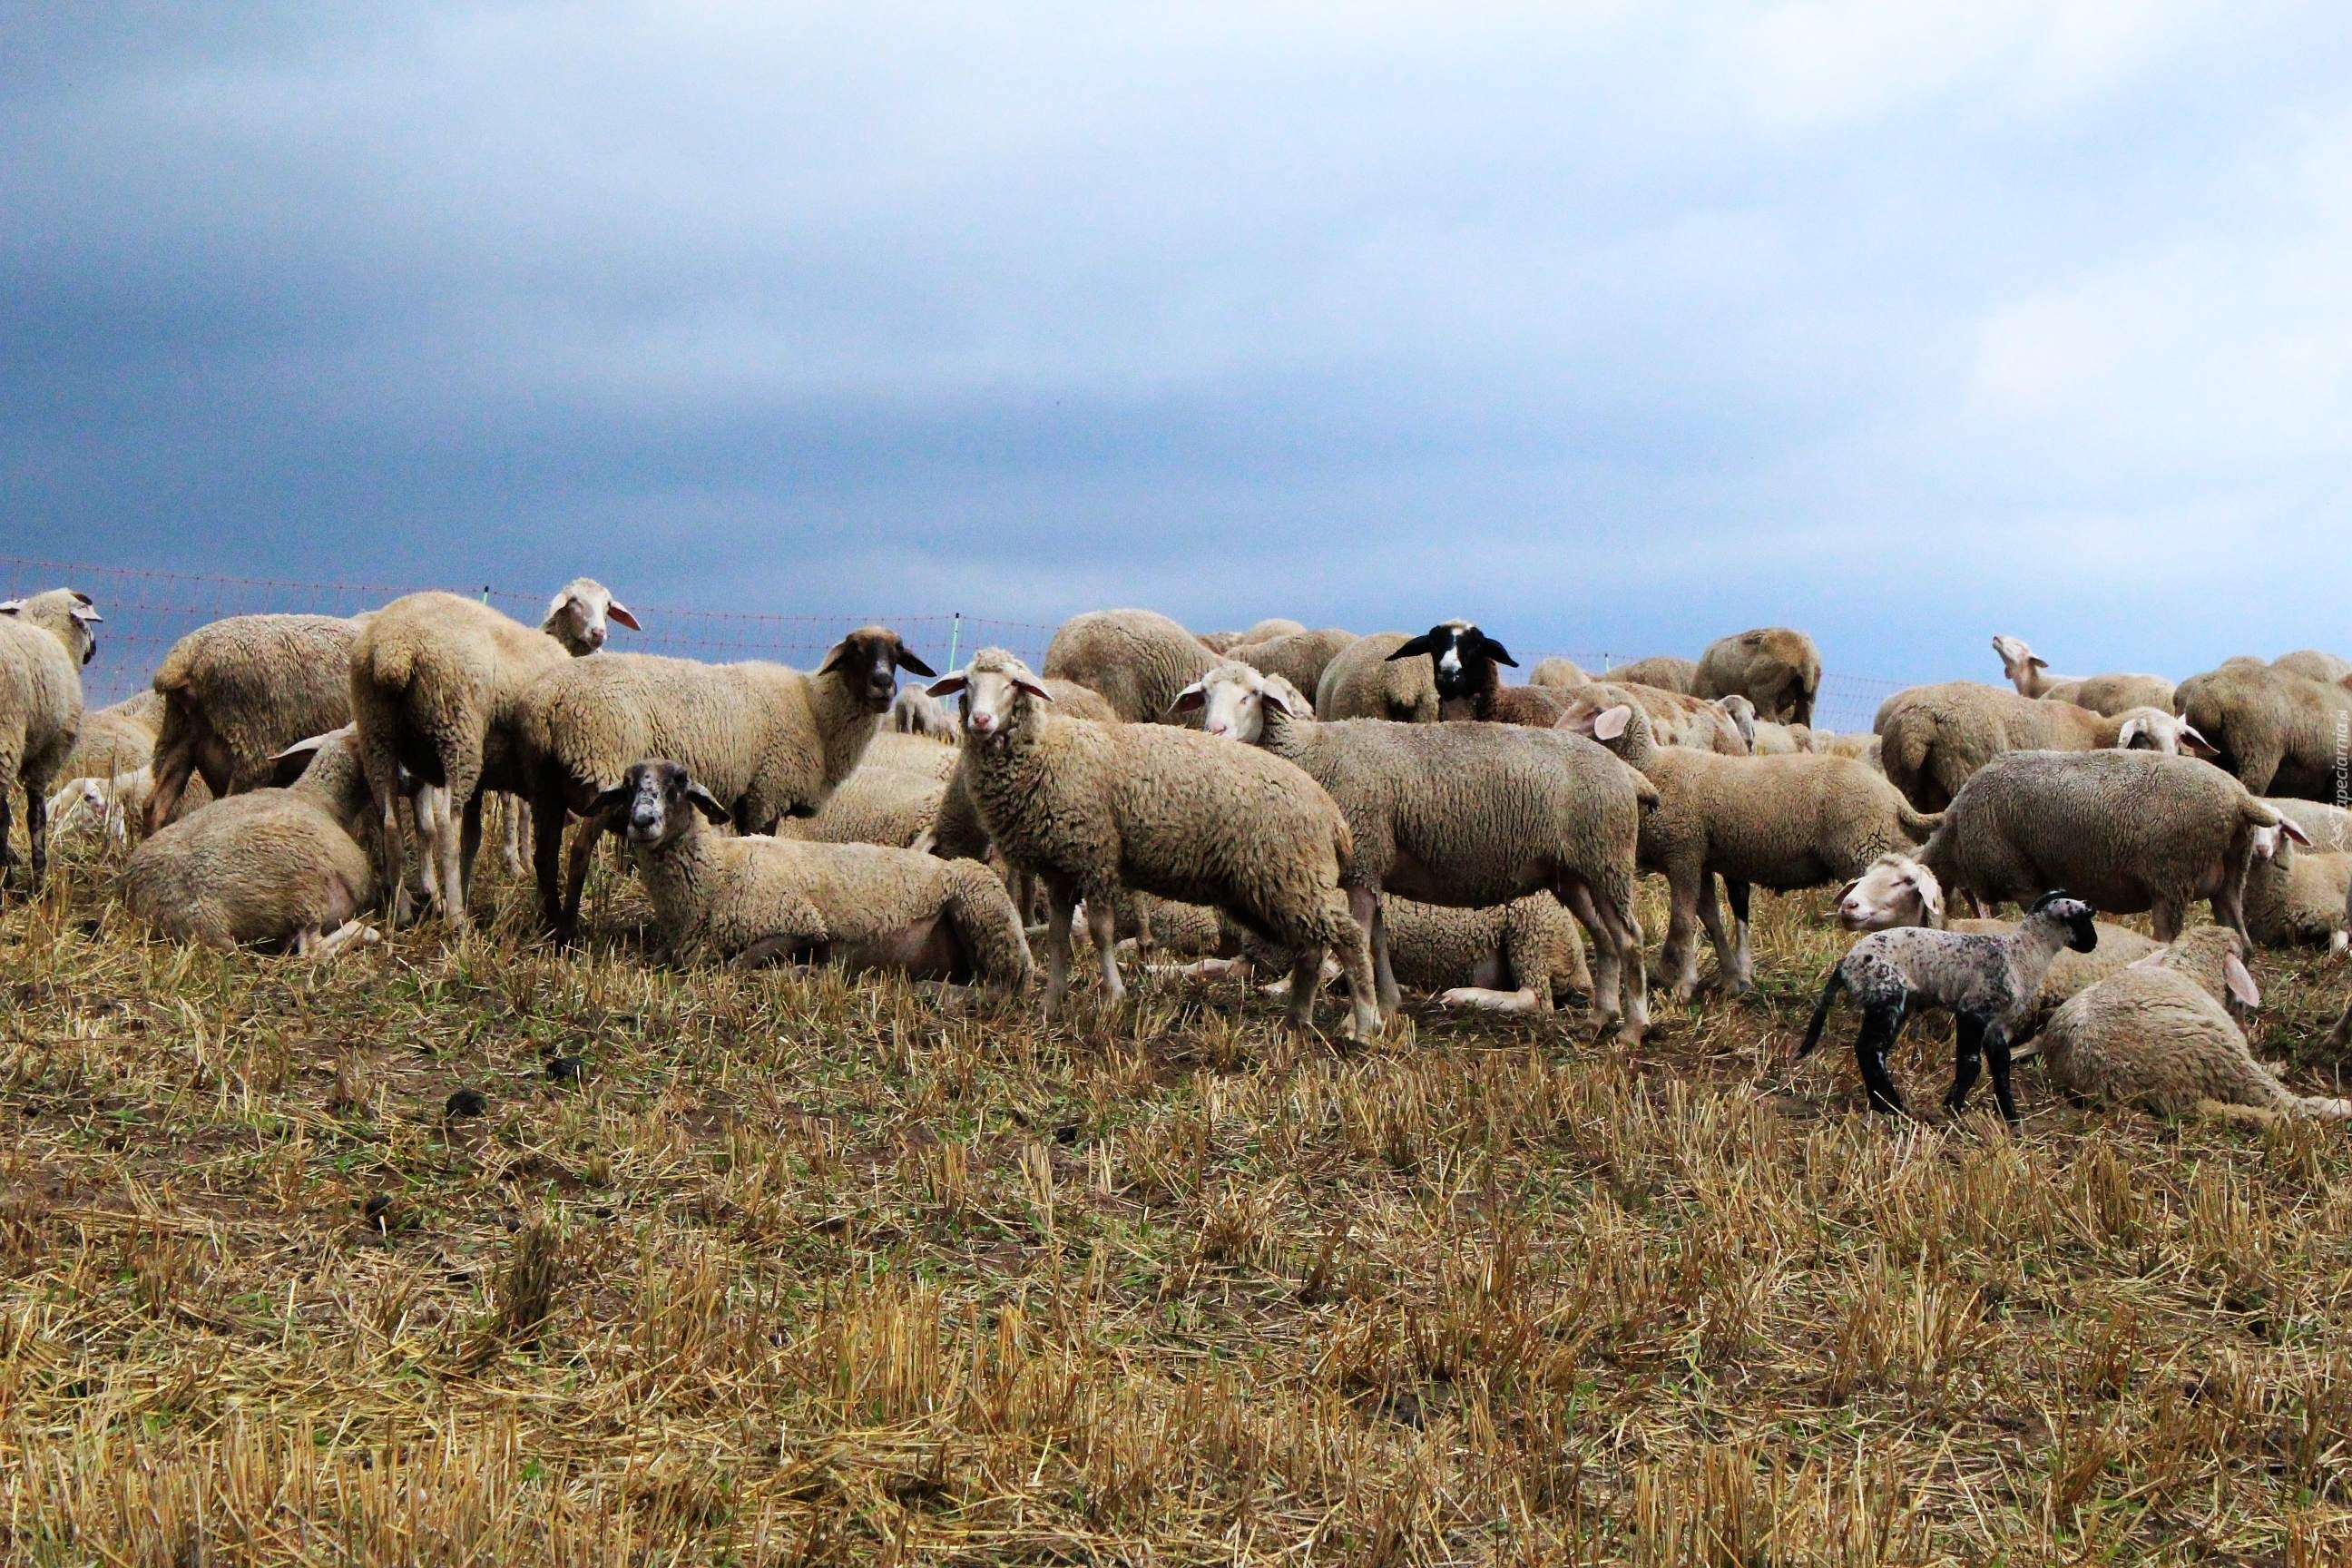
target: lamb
1091 808
1937 736
1300 657
891 797
1778 670
750 900
1782 821
237 692
1559 674
2158 1035
1987 982
1665 671
1466 815
44 641
1896 890
2314 664
1765 737
1465 664
1361 682
434 682
281 866
2109 694
770 741
2132 831
2278 732
1674 719
1138 659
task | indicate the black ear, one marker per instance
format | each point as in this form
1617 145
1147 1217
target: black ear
610 801
907 661
707 804
1496 651
1414 648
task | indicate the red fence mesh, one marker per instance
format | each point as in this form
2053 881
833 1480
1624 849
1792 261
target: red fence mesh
147 611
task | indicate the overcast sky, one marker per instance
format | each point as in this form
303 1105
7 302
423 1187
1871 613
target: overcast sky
1615 326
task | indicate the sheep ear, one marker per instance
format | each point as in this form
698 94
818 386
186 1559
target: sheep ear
621 613
1033 689
2129 730
1496 651
1931 901
2240 980
2037 661
946 685
707 804
1191 700
87 616
1412 647
1272 698
2197 745
608 802
1610 722
2287 829
11 606
310 743
905 659
1839 897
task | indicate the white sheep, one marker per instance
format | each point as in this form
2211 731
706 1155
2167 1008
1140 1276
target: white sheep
44 642
434 684
2109 694
1138 660
1091 808
237 692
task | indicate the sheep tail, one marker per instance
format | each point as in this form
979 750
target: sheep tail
173 675
1821 1012
1919 825
1904 754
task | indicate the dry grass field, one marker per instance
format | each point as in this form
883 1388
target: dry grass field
484 1253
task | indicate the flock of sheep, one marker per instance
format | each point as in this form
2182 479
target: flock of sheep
1380 809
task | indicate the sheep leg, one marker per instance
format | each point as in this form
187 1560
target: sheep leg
1607 982
511 814
1364 904
1483 999
1631 973
575 880
172 765
383 769
2230 908
1058 907
1881 1023
1687 883
547 856
1968 1051
1996 1045
1743 965
457 862
2165 918
37 830
7 852
2341 1035
1102 928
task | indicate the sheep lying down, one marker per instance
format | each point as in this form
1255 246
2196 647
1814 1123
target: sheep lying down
754 899
2157 1035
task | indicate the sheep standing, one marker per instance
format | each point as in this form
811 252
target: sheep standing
237 692
2109 694
284 866
1138 659
770 741
2157 1035
1783 823
2280 732
1464 667
1674 719
435 682
1935 737
2127 830
1986 983
1091 808
752 898
44 642
1896 890
1778 670
2314 664
1465 814
1362 682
